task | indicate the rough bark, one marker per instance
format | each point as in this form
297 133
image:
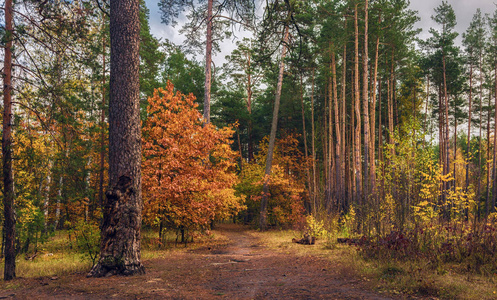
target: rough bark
208 63
120 230
272 137
8 181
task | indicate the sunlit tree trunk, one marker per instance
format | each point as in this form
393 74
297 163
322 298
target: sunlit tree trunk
338 150
365 102
372 148
272 138
357 132
208 64
313 146
468 154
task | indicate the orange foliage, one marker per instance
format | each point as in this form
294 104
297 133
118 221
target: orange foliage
188 168
286 182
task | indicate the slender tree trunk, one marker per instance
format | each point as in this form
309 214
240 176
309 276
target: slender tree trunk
446 169
468 151
58 201
46 202
249 108
272 137
390 84
120 230
304 135
9 226
338 152
102 134
372 148
328 143
365 108
480 107
313 146
488 200
357 133
208 64
343 108
494 175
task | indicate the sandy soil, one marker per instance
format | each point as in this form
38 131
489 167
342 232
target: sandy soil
243 269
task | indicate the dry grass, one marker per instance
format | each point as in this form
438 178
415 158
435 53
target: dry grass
391 277
57 257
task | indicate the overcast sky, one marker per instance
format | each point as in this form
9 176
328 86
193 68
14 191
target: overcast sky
464 9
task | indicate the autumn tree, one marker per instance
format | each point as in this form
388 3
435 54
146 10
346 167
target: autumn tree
188 168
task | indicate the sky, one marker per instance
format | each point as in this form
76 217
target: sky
464 9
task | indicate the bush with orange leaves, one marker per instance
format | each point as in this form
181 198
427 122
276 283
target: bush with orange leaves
188 167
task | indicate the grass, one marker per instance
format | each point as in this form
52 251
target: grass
447 281
58 256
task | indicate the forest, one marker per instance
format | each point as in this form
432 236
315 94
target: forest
332 118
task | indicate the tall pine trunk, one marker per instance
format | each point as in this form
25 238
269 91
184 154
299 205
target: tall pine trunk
120 230
272 137
102 134
365 102
208 64
313 146
9 226
357 132
468 151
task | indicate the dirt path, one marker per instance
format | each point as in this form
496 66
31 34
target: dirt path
241 270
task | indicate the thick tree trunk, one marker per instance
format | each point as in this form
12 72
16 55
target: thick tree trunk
120 235
8 180
272 137
208 63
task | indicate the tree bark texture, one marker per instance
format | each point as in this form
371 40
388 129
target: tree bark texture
120 236
357 132
208 63
8 180
272 137
365 102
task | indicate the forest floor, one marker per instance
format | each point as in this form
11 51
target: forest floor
240 267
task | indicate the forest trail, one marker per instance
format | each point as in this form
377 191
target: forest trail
241 269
